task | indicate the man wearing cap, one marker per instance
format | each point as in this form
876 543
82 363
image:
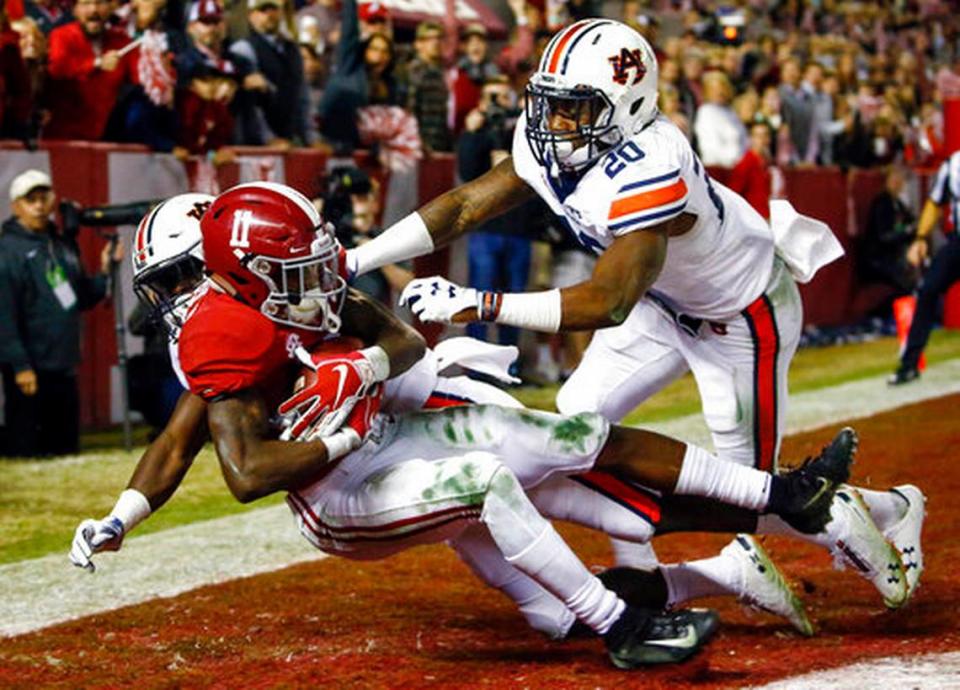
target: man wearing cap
43 289
283 104
374 19
427 92
86 68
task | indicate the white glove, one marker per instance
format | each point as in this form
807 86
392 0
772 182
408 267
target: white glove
437 299
94 536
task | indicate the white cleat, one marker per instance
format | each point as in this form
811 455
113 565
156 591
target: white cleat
905 534
762 585
856 541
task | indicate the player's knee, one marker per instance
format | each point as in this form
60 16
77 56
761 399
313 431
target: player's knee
573 397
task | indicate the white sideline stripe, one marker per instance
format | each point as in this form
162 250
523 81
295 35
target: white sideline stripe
48 590
929 672
830 406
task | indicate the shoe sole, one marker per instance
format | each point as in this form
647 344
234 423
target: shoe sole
910 548
890 579
795 612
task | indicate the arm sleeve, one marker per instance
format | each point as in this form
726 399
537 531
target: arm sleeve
349 56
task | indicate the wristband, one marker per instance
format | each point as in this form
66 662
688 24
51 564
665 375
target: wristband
131 509
341 443
405 239
488 307
538 311
379 361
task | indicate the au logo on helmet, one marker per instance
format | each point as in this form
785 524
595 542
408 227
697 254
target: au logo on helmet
622 64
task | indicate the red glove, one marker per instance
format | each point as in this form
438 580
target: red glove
361 417
335 385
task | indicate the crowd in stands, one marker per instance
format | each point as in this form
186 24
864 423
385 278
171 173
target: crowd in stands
836 83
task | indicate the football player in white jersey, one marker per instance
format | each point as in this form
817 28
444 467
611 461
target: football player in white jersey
688 277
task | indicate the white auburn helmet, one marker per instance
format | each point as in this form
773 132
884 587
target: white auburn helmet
167 257
603 75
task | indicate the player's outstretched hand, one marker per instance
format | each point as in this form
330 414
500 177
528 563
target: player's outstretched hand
94 536
437 299
327 397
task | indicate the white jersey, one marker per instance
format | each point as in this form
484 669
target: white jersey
714 270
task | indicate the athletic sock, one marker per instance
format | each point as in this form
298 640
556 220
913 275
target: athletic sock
704 474
886 507
543 611
530 543
708 577
631 554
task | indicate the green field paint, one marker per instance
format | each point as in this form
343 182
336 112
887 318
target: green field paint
573 431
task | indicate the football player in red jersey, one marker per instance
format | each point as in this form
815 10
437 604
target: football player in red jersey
242 442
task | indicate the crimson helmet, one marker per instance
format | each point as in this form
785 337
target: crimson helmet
271 245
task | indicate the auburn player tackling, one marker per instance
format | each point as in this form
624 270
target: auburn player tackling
689 277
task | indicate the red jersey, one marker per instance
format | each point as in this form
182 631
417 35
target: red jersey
226 346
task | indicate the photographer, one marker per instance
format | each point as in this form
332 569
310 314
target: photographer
43 289
499 252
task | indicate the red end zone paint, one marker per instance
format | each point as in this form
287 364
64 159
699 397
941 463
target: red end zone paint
421 620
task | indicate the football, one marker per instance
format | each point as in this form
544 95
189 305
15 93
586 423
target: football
332 346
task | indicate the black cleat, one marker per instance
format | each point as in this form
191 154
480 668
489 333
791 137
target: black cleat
903 375
641 637
835 458
803 496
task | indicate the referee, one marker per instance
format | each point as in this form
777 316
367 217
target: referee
944 269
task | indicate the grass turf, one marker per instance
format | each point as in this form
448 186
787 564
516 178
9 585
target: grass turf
42 501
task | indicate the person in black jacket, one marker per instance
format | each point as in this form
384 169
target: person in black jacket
282 102
891 229
43 289
362 76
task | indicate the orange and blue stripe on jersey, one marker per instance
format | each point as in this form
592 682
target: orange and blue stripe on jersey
656 198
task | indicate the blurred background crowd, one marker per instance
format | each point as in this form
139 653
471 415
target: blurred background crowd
821 82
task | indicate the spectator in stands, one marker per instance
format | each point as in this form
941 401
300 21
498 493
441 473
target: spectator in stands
822 106
720 136
781 149
86 71
427 92
796 106
944 269
145 112
43 289
473 69
750 178
890 232
33 51
363 76
16 97
215 89
283 104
